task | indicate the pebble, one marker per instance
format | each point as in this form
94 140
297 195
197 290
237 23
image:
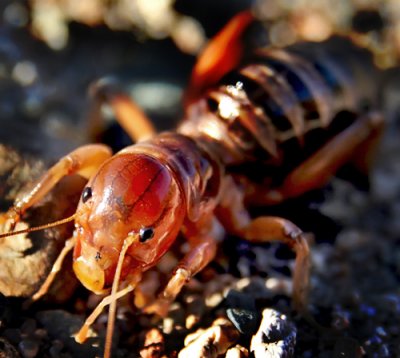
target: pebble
29 348
276 337
246 321
62 325
211 342
153 345
237 352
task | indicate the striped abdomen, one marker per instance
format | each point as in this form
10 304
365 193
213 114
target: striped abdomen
284 104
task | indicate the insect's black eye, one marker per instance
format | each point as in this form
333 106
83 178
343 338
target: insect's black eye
212 104
87 194
146 234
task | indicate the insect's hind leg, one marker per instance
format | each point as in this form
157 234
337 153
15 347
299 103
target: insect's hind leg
131 118
236 219
56 268
83 161
354 145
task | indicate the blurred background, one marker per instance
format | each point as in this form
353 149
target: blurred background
51 50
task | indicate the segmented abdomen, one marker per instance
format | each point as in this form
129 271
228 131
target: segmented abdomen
281 106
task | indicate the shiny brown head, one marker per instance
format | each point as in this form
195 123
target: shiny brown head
131 194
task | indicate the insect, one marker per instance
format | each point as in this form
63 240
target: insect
276 127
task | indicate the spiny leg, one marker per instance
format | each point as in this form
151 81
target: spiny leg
267 229
236 219
132 119
202 250
69 245
83 161
355 144
81 336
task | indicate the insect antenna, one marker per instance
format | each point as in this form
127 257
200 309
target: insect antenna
114 290
38 228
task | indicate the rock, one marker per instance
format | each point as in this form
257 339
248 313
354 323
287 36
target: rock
237 352
276 336
210 342
245 321
153 346
236 299
26 259
61 326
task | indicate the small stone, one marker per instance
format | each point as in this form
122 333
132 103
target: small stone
211 342
195 310
237 352
276 336
214 299
29 348
40 333
62 325
246 321
153 346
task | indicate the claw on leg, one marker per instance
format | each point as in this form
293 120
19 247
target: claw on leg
267 229
234 216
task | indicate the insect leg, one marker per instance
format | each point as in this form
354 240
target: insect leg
81 336
132 119
69 245
236 220
202 251
222 54
84 161
269 228
355 144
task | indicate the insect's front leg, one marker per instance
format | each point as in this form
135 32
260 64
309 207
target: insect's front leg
202 236
83 161
128 114
236 220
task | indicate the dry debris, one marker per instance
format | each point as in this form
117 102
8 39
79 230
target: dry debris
237 352
27 259
210 342
153 346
